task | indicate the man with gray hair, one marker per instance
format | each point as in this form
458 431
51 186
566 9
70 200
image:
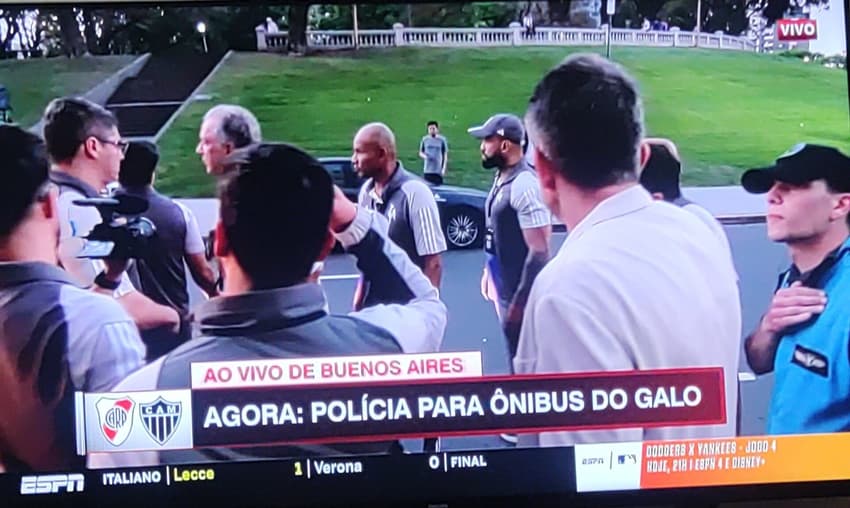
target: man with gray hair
638 284
225 128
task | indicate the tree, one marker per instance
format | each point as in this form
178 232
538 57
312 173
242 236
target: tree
298 28
627 15
775 9
10 18
559 12
71 39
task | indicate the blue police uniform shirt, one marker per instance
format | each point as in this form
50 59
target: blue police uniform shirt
811 393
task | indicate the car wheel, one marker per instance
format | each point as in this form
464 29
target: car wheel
464 228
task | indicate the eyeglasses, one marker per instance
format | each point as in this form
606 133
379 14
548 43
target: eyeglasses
120 144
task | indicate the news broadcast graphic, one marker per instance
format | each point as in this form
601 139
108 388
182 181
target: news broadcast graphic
137 421
712 462
179 419
52 484
473 376
796 30
333 370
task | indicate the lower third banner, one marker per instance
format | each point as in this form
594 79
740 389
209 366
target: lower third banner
256 416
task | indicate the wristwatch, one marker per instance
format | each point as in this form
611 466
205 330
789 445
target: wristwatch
104 282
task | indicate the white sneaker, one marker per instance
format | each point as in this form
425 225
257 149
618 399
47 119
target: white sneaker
509 438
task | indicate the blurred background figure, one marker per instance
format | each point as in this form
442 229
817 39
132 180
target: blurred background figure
434 150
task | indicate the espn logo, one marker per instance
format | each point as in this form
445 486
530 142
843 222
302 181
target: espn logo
52 484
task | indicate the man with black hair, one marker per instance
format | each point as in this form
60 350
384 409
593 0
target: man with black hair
269 308
86 149
661 176
518 224
55 338
434 150
161 274
638 284
804 336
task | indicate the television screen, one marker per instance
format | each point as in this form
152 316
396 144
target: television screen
423 254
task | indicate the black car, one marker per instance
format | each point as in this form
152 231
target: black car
461 208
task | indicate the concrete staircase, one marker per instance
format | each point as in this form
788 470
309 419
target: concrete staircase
145 102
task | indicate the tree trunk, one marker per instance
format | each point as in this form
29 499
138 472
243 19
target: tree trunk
90 32
71 38
298 28
11 17
559 12
107 31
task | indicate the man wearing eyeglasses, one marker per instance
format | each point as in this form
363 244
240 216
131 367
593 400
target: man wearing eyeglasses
86 149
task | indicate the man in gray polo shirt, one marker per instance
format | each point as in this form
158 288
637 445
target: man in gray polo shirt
55 337
518 223
408 204
434 150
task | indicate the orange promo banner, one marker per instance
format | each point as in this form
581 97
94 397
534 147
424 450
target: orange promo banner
771 459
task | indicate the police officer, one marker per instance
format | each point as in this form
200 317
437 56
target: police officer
804 336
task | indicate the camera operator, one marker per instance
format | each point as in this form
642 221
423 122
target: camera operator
55 338
160 274
86 148
269 309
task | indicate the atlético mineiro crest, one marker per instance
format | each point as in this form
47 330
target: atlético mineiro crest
116 418
160 418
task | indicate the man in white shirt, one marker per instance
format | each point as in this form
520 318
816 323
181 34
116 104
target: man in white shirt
638 283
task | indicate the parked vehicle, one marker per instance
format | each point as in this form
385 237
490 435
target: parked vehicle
461 208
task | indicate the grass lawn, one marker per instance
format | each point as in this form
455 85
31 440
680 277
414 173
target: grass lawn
33 83
727 110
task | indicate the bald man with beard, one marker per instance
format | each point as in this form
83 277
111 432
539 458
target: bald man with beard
409 206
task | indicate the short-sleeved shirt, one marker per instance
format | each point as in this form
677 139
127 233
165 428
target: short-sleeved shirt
75 222
414 219
513 204
160 274
435 149
55 338
812 362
